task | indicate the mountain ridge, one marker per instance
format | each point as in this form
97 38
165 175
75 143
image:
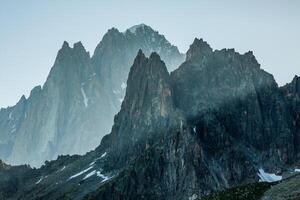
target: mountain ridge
74 108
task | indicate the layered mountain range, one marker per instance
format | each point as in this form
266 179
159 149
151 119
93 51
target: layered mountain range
75 107
216 122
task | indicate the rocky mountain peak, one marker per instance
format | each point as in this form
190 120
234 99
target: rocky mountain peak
65 45
148 76
78 47
139 28
292 88
66 53
198 48
296 82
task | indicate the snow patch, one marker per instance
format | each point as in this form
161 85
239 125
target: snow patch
105 178
13 130
62 169
92 163
194 197
98 173
39 180
267 177
103 155
90 174
123 86
10 116
194 129
297 170
134 28
80 173
85 99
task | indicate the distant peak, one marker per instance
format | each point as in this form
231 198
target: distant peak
296 78
113 30
134 28
78 45
139 58
36 90
65 45
198 48
140 53
154 55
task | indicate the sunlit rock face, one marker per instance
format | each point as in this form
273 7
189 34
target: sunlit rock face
65 116
75 107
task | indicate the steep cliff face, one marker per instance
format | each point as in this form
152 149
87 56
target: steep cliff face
241 98
74 109
146 112
291 93
62 117
232 127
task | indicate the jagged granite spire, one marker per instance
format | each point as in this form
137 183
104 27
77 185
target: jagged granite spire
198 49
146 108
67 115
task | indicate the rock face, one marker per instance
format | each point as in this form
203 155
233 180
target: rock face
216 122
231 121
62 117
74 109
114 56
291 93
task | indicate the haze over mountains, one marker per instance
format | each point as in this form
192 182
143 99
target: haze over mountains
217 121
74 109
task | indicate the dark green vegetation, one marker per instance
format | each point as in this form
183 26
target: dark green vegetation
288 189
252 191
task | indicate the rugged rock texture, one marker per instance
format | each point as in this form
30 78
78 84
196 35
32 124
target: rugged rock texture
74 109
216 122
291 93
67 115
114 56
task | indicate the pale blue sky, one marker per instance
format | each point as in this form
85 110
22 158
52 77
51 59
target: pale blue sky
32 31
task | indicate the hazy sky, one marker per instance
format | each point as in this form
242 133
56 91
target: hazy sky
32 31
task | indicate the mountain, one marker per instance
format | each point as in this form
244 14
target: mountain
75 107
114 55
217 122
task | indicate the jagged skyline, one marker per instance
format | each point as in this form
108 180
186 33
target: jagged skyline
32 32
